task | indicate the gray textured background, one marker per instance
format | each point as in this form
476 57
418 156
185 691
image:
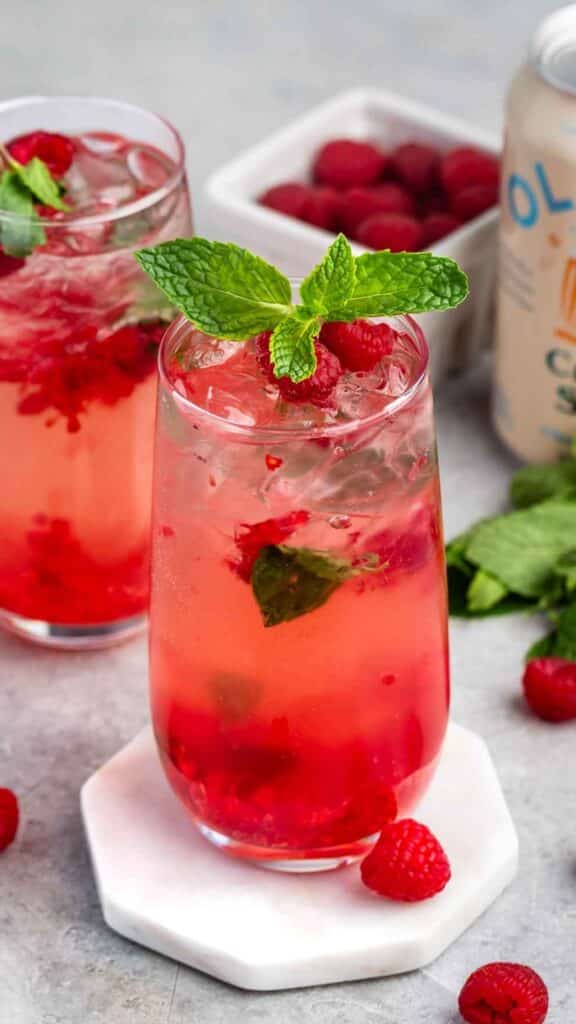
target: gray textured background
227 73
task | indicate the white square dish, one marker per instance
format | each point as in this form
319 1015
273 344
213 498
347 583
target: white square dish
230 195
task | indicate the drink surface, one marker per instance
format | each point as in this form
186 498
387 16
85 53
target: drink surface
79 330
535 375
298 736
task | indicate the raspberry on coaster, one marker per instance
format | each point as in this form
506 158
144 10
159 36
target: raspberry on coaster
344 163
359 345
550 688
318 388
9 818
467 166
57 151
416 165
357 204
407 863
394 231
504 993
474 200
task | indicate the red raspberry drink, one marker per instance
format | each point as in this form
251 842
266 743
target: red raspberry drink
79 329
299 665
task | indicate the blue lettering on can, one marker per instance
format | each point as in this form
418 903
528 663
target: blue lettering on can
517 185
554 205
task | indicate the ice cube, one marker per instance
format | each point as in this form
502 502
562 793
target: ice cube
149 168
102 144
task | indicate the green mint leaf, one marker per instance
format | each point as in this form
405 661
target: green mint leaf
224 290
38 179
292 346
533 484
484 592
565 571
331 282
561 642
522 548
19 235
390 283
458 599
290 582
542 648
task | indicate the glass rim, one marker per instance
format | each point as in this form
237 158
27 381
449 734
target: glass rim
290 432
126 209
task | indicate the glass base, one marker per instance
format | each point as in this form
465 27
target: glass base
294 861
73 638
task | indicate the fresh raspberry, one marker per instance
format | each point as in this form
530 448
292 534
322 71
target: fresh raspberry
318 388
503 993
321 208
343 163
9 818
357 204
359 345
395 231
416 165
407 864
437 225
9 264
288 198
250 538
550 688
435 201
473 201
57 151
468 166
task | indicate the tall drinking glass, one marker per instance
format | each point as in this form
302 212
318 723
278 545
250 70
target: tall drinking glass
80 325
299 662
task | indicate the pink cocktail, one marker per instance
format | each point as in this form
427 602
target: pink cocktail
80 326
299 665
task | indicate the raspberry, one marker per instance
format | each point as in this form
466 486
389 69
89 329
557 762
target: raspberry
9 264
357 204
435 201
416 165
321 208
57 151
407 864
359 345
437 225
502 993
343 163
395 231
474 200
288 198
250 538
550 688
9 818
262 350
317 388
467 166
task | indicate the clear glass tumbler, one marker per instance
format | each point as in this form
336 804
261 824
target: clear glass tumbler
299 658
80 325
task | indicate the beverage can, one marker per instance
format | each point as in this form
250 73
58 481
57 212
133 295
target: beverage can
535 365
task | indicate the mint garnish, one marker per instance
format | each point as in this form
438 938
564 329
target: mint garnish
290 582
232 294
22 187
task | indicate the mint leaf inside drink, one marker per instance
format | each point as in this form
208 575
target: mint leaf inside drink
20 234
38 180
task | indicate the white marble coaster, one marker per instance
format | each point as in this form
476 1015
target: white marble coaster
164 886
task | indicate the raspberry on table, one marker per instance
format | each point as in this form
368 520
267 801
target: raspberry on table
466 166
407 864
318 388
395 231
416 165
504 993
9 818
550 688
357 204
359 345
473 201
437 225
288 198
344 163
57 151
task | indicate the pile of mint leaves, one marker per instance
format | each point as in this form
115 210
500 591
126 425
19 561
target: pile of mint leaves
524 560
24 188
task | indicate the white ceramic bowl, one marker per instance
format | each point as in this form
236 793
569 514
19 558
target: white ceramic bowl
230 193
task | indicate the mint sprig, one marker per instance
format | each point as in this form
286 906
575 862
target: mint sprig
231 293
22 187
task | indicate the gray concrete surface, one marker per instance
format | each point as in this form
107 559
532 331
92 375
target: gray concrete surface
227 72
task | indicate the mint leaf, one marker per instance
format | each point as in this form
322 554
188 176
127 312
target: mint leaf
292 346
565 570
484 592
38 179
290 582
224 290
331 282
533 484
19 235
389 283
522 548
561 642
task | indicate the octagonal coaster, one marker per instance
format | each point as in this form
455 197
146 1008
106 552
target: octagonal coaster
164 886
